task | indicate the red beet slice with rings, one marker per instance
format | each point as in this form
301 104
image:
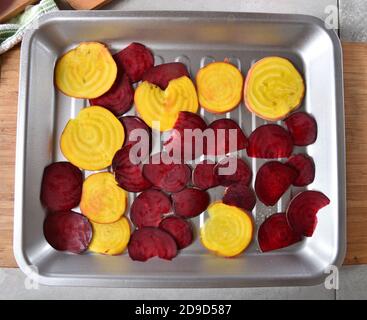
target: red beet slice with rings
225 142
203 176
119 99
305 167
302 211
149 208
240 195
179 229
302 127
270 141
231 170
130 123
67 231
275 233
272 180
128 173
151 242
170 177
190 202
135 60
162 74
189 148
61 187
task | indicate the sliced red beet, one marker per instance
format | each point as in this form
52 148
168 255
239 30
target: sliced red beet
151 242
272 180
162 74
167 177
119 98
149 208
186 148
302 211
240 195
302 127
270 141
190 202
131 123
305 167
67 231
275 233
135 60
231 170
203 176
129 175
179 229
61 187
225 141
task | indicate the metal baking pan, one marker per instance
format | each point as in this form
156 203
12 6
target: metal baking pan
195 39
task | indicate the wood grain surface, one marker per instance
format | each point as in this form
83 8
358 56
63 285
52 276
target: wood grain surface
10 8
355 82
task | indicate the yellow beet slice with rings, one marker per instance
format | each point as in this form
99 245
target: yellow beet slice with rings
273 88
110 238
155 104
91 140
220 86
228 231
103 201
87 71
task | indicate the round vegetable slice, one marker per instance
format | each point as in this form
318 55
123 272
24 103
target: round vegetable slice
203 176
240 195
119 98
179 229
162 74
275 233
110 238
273 88
220 86
190 202
61 187
228 137
187 149
305 167
131 123
228 230
129 175
67 231
270 141
232 170
151 242
103 201
91 139
302 211
135 59
167 177
149 208
303 128
87 71
272 180
155 105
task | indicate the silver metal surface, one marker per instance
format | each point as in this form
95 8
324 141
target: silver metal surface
195 39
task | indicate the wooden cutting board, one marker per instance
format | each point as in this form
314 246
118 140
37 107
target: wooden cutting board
355 78
87 4
10 8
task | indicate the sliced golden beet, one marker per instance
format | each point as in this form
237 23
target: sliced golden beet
91 139
87 71
220 86
228 230
273 88
103 201
110 238
155 104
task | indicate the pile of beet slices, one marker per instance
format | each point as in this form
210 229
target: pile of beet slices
171 194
